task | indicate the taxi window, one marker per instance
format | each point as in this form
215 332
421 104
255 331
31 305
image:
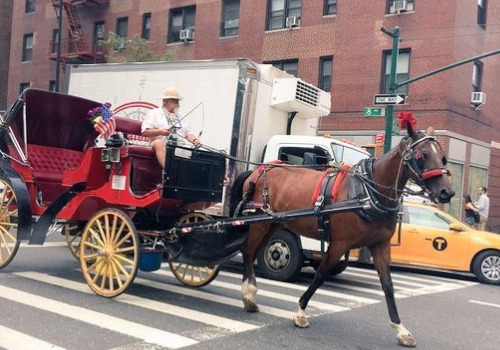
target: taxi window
428 218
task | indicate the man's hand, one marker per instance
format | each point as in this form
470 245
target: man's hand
197 143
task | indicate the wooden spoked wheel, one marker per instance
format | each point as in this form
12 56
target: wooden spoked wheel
109 252
73 233
9 244
191 275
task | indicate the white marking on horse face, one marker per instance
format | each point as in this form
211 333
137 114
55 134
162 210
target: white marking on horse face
433 148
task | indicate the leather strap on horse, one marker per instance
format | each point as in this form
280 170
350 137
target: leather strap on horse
326 193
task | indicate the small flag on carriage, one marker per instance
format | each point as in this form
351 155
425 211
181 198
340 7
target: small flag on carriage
102 118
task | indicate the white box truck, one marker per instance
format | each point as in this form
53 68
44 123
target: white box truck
254 112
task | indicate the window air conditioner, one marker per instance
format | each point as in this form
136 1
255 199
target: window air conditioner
186 35
478 98
399 6
292 22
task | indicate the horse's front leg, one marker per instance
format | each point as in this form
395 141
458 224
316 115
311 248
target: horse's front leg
258 236
328 262
381 254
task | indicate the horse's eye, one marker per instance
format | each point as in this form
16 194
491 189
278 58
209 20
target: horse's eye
444 160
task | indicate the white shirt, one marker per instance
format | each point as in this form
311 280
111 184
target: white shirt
158 118
483 205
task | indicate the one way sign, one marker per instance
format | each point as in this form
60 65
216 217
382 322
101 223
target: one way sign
390 99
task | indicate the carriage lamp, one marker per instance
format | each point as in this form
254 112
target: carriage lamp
110 155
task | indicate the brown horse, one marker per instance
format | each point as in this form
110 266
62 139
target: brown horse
376 184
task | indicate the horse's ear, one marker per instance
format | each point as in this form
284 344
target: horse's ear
411 131
429 131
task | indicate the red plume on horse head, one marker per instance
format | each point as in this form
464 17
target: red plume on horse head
406 118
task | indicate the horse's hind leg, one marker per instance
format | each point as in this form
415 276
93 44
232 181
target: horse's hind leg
381 258
258 236
328 262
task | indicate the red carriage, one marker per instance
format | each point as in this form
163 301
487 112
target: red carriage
111 202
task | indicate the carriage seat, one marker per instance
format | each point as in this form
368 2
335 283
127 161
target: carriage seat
48 164
146 172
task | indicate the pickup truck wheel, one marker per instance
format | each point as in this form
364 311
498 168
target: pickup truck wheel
281 259
486 267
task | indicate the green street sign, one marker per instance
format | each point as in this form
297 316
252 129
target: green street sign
374 112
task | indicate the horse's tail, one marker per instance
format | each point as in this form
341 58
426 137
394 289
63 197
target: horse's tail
237 193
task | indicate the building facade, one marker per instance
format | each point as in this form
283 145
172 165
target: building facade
5 28
344 47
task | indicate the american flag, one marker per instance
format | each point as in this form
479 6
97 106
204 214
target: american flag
105 128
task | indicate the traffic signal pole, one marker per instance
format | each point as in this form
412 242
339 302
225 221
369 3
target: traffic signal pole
395 34
393 86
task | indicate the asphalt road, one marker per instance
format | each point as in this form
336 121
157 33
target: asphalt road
45 304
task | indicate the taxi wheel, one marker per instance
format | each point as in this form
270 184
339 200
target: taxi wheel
109 252
9 244
486 267
191 275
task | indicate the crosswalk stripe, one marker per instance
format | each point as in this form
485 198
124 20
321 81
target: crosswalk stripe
13 340
269 294
133 329
361 300
221 322
190 292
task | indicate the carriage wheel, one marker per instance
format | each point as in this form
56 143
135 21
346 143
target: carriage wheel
109 252
73 233
9 244
191 275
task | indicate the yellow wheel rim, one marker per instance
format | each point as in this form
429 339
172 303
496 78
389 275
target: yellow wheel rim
109 252
8 224
191 275
73 235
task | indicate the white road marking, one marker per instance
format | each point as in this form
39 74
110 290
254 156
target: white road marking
202 317
13 340
133 329
484 303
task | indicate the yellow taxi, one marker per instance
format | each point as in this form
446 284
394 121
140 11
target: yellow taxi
432 238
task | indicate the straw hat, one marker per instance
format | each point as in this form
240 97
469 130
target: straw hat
171 93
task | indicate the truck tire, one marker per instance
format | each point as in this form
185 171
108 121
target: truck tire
281 259
486 267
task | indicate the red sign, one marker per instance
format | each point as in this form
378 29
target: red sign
380 138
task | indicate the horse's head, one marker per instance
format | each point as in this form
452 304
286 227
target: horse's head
425 162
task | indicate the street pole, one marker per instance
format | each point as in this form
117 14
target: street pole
395 34
59 39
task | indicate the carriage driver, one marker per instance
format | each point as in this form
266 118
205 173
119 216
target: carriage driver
160 122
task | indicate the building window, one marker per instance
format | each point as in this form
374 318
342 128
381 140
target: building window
325 73
30 6
477 76
55 40
289 66
23 86
52 85
398 6
230 17
180 18
98 35
481 13
402 71
330 7
146 26
279 10
27 47
122 27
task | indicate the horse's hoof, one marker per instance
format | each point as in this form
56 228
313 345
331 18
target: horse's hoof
300 321
250 306
407 340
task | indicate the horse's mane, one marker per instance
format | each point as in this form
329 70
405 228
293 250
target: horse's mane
237 191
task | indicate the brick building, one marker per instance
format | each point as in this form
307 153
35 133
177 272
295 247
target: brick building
337 45
5 27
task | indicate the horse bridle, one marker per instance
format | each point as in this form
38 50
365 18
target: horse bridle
411 156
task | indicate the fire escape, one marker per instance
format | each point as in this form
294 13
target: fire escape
77 47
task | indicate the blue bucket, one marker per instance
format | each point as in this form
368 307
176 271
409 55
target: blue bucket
150 261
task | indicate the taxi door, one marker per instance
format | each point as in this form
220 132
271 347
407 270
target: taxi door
427 240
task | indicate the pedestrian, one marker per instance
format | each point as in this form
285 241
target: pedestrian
483 207
164 121
471 212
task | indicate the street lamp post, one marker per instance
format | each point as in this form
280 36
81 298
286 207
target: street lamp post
59 39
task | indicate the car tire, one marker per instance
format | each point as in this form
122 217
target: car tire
281 259
486 267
